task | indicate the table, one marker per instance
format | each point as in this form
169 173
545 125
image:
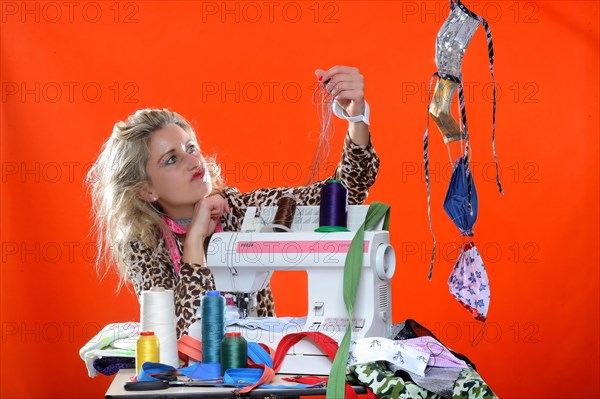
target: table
116 390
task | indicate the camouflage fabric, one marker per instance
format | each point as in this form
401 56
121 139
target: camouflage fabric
470 385
382 381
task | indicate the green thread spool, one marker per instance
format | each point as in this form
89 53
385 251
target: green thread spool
147 349
234 352
213 326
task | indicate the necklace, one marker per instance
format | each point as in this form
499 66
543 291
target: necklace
184 221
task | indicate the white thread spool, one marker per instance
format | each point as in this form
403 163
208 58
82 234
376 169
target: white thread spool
157 313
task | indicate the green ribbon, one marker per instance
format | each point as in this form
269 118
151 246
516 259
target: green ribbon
352 271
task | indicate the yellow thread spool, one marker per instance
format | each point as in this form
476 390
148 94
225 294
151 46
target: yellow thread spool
147 350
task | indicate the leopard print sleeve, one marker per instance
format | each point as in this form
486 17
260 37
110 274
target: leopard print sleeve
357 169
148 268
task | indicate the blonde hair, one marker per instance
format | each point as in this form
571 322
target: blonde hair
121 216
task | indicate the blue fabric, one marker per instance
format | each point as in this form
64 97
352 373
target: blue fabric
259 355
461 198
153 368
250 376
198 371
242 376
204 371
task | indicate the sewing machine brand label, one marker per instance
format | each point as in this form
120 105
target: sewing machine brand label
286 247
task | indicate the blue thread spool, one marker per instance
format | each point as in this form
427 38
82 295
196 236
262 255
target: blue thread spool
213 326
333 212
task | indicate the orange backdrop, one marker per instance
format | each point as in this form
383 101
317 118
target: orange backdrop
243 73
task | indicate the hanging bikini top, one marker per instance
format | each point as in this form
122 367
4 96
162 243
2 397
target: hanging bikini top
451 44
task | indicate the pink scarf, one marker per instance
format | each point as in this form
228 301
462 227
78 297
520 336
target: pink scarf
170 239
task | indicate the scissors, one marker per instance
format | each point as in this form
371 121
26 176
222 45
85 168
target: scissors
164 384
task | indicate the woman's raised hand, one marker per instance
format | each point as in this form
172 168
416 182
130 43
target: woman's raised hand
207 214
347 86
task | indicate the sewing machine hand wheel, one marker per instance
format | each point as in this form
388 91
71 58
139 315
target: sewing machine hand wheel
385 261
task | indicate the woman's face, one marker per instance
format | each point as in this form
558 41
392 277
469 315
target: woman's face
177 172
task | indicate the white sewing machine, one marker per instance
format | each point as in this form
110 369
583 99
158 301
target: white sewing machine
245 261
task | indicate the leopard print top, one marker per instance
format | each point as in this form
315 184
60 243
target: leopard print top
153 267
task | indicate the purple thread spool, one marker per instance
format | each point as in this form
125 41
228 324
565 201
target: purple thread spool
333 213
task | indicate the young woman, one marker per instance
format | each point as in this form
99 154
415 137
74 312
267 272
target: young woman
156 199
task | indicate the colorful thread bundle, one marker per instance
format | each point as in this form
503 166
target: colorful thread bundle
323 100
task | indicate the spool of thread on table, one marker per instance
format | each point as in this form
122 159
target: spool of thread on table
234 352
213 326
333 211
157 314
147 349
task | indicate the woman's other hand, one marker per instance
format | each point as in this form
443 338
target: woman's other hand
205 218
207 214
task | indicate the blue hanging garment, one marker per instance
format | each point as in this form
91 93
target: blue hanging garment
461 198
